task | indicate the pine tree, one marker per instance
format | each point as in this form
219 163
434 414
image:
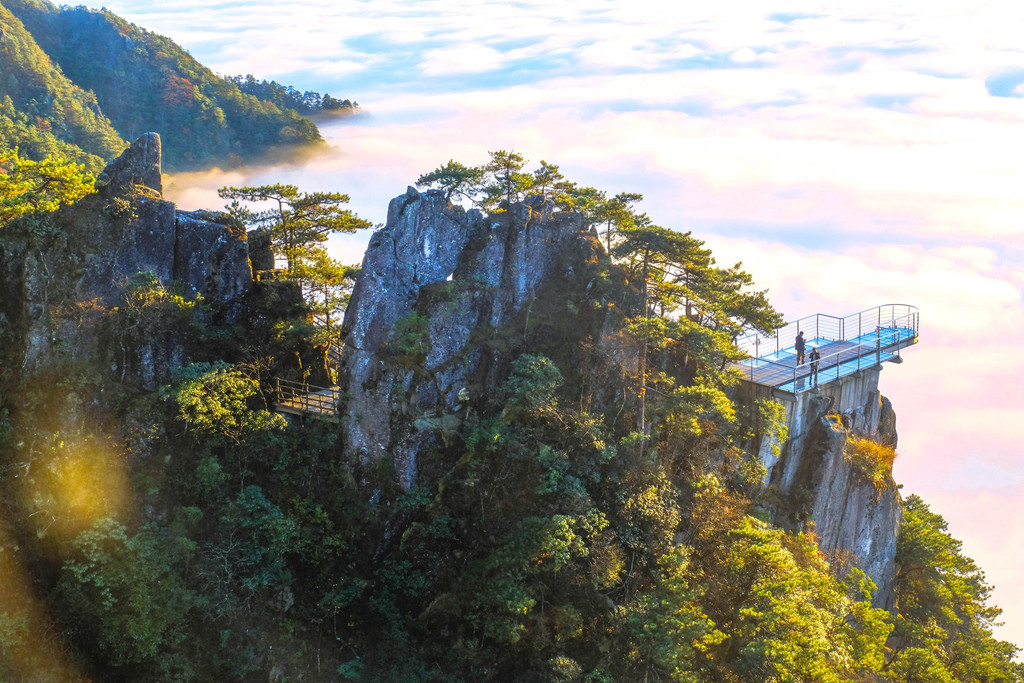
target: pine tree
298 222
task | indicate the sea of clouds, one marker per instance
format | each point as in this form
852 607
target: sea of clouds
848 157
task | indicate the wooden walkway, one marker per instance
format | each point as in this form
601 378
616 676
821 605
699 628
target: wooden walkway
298 399
307 400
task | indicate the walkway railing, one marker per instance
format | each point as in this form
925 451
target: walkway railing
853 343
298 398
829 327
334 350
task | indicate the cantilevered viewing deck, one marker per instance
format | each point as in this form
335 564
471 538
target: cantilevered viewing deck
846 345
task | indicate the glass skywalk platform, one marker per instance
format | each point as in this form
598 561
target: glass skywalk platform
847 345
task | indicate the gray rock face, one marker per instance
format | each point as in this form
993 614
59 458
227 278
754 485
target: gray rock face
210 257
140 164
124 231
55 289
420 244
261 256
431 278
120 242
857 525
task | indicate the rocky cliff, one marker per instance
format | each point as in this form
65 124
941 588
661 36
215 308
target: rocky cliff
446 299
444 303
815 482
443 296
58 281
525 522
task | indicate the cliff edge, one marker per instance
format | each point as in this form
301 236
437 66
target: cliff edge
58 282
819 481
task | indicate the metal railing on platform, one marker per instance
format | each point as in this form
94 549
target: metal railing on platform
871 337
828 327
334 351
299 398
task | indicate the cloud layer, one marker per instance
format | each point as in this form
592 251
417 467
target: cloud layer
849 157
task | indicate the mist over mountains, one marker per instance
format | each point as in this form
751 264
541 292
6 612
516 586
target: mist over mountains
80 82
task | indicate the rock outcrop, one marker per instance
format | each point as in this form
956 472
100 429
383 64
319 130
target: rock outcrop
431 279
56 284
445 300
199 250
139 165
857 521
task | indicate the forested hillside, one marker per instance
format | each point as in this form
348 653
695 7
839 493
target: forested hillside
42 112
69 69
286 97
539 467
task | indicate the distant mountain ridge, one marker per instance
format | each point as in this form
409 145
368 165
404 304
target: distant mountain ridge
88 78
42 111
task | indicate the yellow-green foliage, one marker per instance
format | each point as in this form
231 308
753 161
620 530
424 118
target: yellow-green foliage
872 460
944 625
212 400
149 308
771 422
38 186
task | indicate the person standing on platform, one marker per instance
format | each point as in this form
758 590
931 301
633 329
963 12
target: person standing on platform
814 357
799 346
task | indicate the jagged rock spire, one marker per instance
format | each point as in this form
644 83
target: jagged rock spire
459 272
137 165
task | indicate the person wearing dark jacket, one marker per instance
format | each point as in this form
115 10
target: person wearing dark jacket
799 346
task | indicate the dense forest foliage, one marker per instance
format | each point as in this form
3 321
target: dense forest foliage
43 113
68 69
190 533
31 189
287 97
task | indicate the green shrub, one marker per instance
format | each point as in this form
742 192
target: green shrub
871 460
410 342
212 400
123 595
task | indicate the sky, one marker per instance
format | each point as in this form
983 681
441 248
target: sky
849 154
